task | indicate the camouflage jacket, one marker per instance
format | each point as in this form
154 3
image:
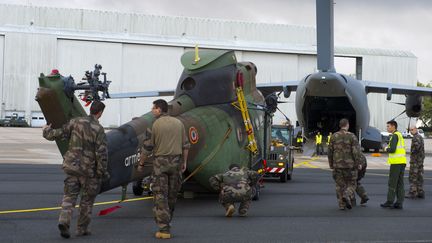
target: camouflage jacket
87 151
344 150
363 161
146 147
235 183
417 148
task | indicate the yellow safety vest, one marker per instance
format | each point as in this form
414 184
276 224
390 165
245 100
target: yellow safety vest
299 140
328 139
398 157
318 139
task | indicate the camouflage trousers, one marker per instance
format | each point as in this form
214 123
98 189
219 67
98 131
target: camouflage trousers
346 183
73 186
416 177
360 189
245 200
166 182
243 208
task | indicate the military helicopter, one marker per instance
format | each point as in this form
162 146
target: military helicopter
225 116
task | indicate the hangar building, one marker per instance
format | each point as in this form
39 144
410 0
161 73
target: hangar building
142 53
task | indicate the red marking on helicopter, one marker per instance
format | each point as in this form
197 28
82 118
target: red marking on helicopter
193 135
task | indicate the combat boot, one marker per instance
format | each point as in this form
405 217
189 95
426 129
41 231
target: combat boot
82 232
421 195
387 204
410 195
64 231
242 212
162 235
364 201
230 211
398 206
347 202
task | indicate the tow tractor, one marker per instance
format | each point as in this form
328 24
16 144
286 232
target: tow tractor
280 159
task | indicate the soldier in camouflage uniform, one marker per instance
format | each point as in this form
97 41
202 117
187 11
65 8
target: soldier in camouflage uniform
146 152
85 165
343 155
170 150
361 173
416 165
235 185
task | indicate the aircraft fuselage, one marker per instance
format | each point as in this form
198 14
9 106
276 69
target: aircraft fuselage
323 98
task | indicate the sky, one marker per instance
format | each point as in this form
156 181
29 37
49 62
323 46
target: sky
386 24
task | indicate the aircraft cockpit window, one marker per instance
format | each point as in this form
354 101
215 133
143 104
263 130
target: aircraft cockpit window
188 84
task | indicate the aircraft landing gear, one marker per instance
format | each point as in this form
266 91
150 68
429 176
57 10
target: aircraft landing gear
142 186
137 188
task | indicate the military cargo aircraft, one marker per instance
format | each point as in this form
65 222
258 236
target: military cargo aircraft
324 97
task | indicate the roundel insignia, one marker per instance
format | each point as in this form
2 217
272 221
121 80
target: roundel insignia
193 135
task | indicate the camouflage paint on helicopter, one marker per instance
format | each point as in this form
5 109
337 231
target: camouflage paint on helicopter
202 101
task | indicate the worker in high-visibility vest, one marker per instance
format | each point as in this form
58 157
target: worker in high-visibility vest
299 139
397 161
328 138
318 142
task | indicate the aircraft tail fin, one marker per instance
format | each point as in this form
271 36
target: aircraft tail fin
56 106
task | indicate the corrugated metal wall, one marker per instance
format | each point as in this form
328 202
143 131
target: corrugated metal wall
74 40
102 21
2 105
131 68
25 56
392 70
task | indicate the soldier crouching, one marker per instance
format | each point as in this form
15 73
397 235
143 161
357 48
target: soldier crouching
235 186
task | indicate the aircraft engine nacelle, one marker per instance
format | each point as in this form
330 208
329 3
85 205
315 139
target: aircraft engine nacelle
413 105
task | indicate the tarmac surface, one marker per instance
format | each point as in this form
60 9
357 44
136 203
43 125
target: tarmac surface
301 210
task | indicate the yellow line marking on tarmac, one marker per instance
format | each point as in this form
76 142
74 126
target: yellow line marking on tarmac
386 175
307 163
77 206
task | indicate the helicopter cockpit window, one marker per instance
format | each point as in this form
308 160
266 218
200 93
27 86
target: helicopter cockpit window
208 87
188 84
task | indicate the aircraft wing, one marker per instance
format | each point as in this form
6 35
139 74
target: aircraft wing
269 88
388 88
133 95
